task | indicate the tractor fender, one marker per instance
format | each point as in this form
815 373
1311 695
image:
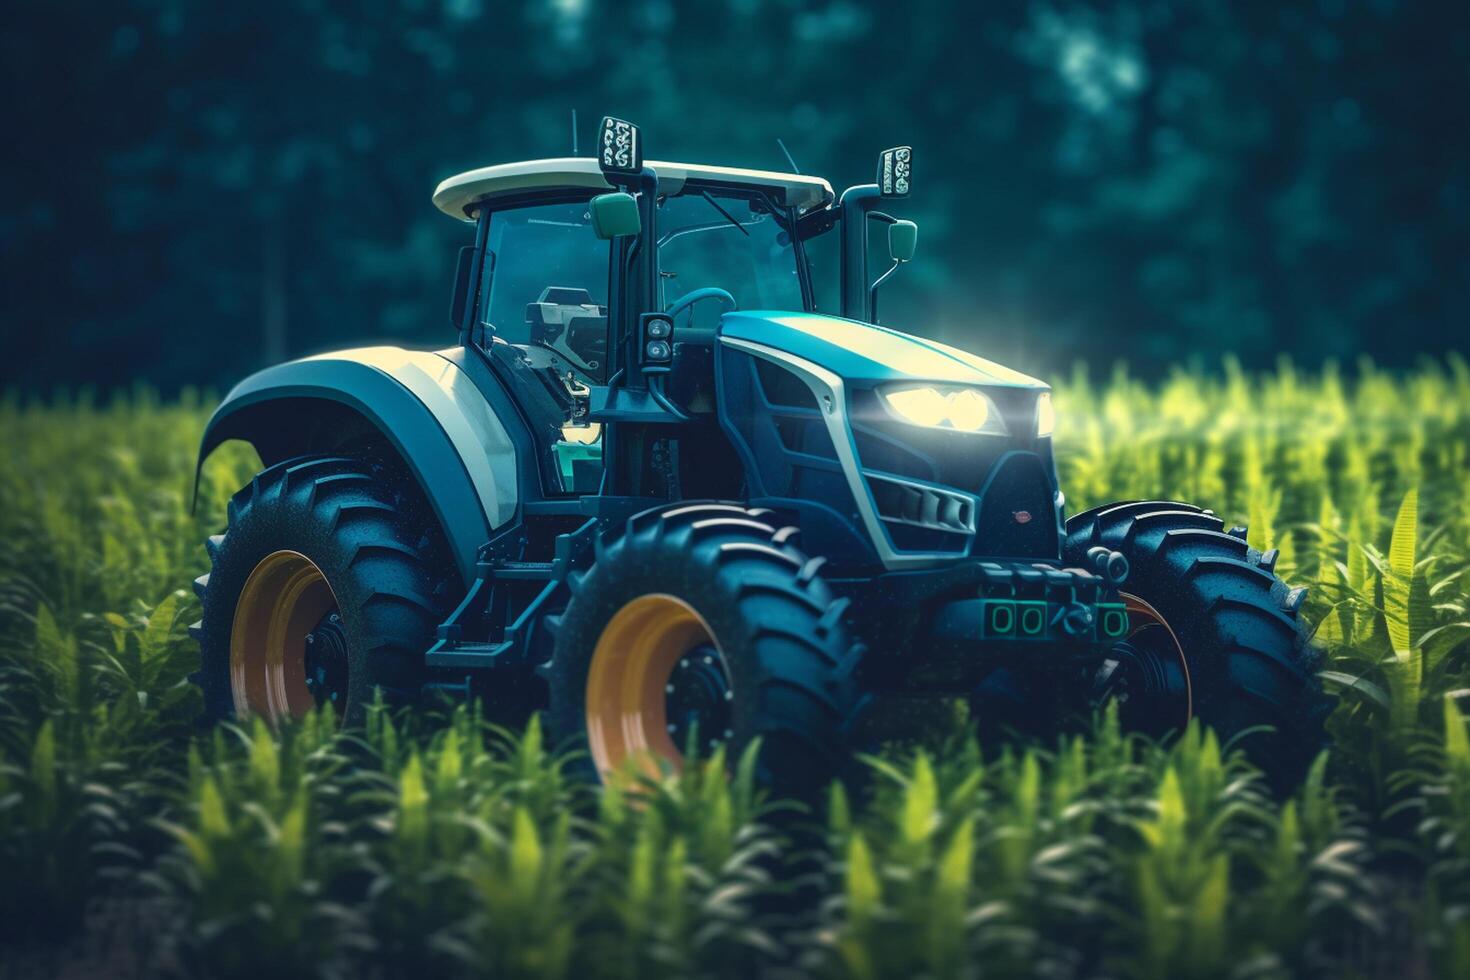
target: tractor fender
418 403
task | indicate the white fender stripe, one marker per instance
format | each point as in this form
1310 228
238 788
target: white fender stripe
462 412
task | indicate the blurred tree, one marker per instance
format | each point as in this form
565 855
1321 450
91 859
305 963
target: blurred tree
192 190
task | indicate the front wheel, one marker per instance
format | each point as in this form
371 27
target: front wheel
703 626
1214 634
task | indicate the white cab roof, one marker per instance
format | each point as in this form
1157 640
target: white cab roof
456 194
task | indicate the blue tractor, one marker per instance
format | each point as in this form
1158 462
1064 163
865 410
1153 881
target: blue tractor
659 494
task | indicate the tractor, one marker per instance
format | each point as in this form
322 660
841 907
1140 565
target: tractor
656 493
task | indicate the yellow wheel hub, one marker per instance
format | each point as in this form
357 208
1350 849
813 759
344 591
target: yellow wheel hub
630 679
283 601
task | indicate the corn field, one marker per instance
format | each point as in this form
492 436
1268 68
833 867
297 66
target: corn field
134 843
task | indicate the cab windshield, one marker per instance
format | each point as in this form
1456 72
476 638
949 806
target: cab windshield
736 240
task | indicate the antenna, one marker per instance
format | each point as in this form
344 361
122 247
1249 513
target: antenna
789 159
574 132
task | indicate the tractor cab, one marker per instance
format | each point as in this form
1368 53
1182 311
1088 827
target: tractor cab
606 280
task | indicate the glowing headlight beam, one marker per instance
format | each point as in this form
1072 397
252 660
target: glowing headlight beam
921 406
1046 415
931 406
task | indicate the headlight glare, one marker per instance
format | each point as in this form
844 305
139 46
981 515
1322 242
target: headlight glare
944 407
1046 415
968 410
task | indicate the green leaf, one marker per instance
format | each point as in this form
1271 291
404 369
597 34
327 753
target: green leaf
1261 531
161 625
291 841
1456 740
839 810
1401 557
954 865
197 849
920 803
265 762
451 763
1332 630
864 891
1440 641
1207 919
525 851
213 821
57 649
412 825
1362 685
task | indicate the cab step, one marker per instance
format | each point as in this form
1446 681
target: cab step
475 656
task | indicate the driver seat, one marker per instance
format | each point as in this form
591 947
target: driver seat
567 313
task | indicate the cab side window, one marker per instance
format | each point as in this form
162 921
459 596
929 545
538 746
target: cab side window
547 275
544 290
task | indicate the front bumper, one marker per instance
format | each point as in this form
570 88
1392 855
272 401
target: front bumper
1036 604
945 627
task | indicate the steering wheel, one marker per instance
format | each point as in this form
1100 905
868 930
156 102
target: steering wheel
694 296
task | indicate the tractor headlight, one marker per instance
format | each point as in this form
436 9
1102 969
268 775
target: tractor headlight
1046 416
944 407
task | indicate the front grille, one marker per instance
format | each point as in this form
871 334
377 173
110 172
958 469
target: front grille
920 494
1014 516
921 506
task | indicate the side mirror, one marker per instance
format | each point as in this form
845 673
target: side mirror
903 237
895 171
615 215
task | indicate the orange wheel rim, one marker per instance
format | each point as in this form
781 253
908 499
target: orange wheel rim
283 600
632 664
1141 615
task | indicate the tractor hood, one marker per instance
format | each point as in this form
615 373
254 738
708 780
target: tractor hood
865 352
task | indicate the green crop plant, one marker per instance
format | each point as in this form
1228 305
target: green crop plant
256 854
1435 791
436 844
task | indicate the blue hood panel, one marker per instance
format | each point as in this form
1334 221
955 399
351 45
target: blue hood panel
863 352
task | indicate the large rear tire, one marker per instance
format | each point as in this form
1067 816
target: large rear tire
321 591
1247 665
703 625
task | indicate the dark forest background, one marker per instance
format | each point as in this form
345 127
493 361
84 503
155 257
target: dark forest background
190 190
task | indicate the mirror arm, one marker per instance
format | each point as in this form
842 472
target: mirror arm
873 290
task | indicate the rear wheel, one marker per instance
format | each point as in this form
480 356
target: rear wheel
703 626
1147 674
320 592
1214 634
